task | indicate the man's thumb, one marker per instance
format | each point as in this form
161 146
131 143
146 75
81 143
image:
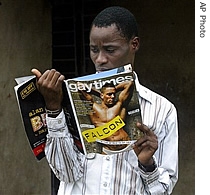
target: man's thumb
36 72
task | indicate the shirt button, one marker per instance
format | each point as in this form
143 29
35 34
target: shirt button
59 121
108 158
105 184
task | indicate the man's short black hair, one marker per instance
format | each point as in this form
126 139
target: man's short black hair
106 85
121 17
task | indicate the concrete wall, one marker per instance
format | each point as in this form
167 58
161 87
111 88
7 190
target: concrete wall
165 64
25 42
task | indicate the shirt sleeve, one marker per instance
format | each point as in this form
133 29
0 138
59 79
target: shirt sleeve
65 160
167 156
151 182
163 179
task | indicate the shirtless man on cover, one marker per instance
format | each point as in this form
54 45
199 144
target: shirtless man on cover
110 108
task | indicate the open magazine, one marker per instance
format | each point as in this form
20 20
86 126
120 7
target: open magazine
101 111
32 110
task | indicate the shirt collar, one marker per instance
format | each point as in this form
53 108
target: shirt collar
143 91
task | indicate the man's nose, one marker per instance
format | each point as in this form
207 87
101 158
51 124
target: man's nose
101 58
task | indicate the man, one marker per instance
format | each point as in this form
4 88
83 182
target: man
152 166
109 108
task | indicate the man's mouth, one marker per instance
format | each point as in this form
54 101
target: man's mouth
111 102
102 69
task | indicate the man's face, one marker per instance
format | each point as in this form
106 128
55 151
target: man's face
108 49
108 96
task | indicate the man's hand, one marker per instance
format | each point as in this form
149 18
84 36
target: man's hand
49 85
146 145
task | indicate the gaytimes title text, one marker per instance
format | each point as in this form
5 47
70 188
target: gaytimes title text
97 84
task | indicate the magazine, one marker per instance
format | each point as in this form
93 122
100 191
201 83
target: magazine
106 109
104 131
32 109
33 115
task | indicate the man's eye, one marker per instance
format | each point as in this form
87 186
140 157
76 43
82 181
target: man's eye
110 50
94 50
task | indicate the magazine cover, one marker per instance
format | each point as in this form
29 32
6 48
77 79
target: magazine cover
106 109
32 110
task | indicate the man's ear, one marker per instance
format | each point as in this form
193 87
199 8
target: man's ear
135 43
101 95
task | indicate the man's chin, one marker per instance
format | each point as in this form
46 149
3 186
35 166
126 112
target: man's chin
110 105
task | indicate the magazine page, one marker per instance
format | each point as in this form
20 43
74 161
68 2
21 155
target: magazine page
70 119
32 110
106 109
33 115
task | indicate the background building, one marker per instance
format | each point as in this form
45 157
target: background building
45 34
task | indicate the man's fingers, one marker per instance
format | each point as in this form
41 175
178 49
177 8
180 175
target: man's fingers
57 78
143 128
36 72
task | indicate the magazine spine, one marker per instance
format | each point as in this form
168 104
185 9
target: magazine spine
75 117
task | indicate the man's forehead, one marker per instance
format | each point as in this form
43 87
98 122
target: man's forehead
106 89
109 33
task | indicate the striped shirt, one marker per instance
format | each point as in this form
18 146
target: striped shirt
117 174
